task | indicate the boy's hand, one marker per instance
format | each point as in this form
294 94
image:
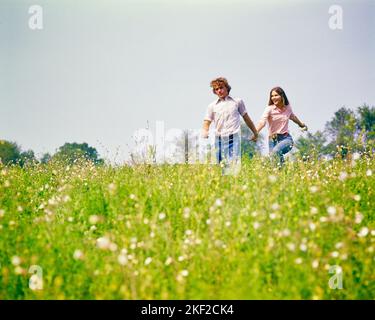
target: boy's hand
254 137
303 127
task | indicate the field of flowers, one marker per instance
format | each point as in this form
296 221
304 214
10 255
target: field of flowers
187 232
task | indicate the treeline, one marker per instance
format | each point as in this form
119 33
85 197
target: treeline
11 153
346 133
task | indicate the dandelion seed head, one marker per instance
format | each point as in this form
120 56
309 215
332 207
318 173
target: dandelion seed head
162 216
103 243
218 202
256 225
335 254
148 261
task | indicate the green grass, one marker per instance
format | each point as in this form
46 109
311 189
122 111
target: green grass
264 234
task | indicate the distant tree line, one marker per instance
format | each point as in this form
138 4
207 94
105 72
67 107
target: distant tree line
11 153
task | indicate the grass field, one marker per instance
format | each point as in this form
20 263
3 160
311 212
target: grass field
186 232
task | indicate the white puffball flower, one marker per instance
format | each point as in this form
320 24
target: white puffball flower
103 243
363 232
78 254
162 216
331 211
369 172
313 189
16 260
122 259
148 261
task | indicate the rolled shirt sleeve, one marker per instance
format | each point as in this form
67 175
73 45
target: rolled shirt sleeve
241 108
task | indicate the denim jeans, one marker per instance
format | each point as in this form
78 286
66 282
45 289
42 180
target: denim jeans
228 151
280 145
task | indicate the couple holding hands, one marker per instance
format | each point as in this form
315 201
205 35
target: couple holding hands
225 113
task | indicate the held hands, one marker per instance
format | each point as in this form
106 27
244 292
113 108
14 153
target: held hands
204 134
254 137
303 127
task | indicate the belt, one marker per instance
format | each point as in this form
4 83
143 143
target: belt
278 136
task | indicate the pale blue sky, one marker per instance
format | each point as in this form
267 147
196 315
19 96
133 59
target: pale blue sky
100 70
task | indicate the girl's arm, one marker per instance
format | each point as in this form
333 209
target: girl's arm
297 121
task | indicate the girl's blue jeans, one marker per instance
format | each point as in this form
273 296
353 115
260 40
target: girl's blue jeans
280 145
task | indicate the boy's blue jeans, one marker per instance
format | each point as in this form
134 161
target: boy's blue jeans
228 151
279 145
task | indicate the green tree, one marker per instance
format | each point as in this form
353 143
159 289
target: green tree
9 152
27 157
342 130
312 146
72 152
45 158
366 124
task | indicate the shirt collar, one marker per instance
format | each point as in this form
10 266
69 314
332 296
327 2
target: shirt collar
228 97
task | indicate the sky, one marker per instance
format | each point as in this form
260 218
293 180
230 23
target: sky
98 71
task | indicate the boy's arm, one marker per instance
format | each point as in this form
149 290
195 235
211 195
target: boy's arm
250 124
206 127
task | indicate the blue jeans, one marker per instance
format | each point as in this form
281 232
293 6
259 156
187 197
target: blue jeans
227 148
280 145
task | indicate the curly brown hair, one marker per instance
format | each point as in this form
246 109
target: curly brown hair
219 82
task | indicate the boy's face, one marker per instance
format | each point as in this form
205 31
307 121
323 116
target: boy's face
221 91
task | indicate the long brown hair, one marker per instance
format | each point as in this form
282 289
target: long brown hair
281 93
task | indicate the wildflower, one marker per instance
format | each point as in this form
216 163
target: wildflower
78 255
122 259
16 260
148 261
152 234
227 224
19 209
272 178
358 218
291 246
334 254
188 232
298 261
218 202
331 211
373 232
70 219
103 243
303 247
6 183
113 247
369 173
181 258
286 233
339 245
2 212
168 261
184 273
315 264
363 232
146 221
94 219
208 221
323 219
162 216
313 210
312 226
112 187
132 196
272 216
313 189
256 225
343 175
356 155
186 214
357 197
275 206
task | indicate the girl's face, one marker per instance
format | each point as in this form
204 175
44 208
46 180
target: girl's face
277 99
